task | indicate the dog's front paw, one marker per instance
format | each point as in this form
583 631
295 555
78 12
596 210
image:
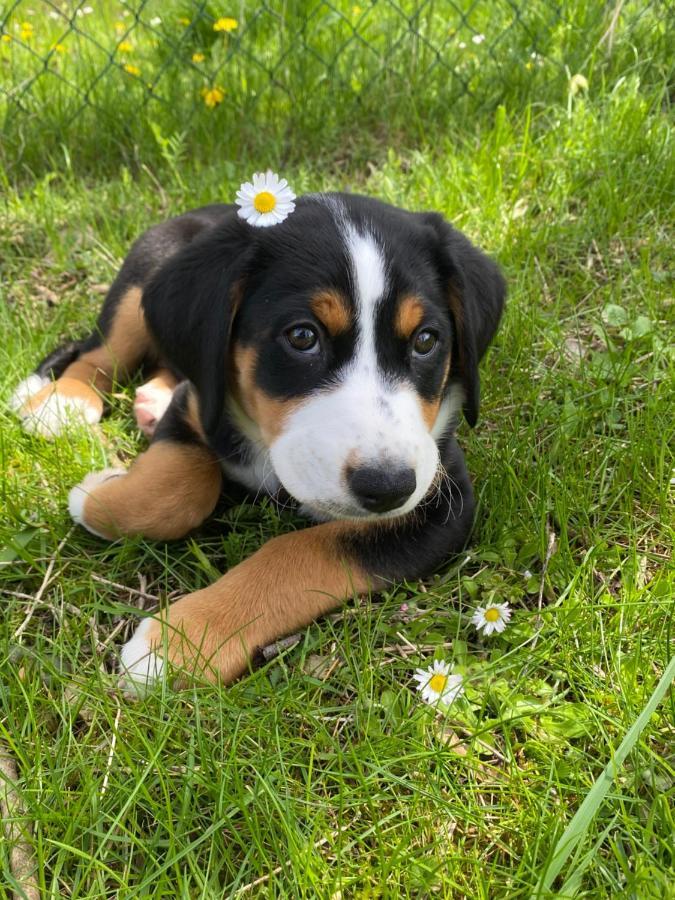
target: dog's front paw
47 407
150 403
140 665
81 494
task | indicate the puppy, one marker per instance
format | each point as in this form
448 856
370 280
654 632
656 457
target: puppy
327 359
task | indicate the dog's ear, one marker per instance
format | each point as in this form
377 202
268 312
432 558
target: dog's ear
190 304
476 292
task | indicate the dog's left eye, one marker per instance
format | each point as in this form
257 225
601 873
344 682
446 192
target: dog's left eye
424 342
303 338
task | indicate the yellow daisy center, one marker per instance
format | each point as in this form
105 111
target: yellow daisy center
264 202
491 614
437 683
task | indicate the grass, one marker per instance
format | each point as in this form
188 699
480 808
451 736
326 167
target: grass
306 78
322 772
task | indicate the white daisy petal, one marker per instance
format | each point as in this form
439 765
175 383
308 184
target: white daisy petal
270 209
491 618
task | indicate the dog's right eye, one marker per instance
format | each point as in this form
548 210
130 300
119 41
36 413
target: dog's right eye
303 338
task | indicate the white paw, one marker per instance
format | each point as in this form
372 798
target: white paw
26 389
139 664
55 413
79 494
150 404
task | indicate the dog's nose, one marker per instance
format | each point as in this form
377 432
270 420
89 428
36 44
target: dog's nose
380 490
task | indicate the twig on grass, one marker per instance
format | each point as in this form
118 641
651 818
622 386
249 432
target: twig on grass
21 857
111 753
550 550
37 599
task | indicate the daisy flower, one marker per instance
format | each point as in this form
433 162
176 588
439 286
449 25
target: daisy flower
437 685
225 24
493 617
266 201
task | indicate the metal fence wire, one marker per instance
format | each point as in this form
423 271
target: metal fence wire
86 69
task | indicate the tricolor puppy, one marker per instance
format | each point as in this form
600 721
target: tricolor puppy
326 358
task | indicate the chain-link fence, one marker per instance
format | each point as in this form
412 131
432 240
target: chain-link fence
97 78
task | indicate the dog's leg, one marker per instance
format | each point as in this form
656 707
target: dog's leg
117 347
297 577
169 490
152 400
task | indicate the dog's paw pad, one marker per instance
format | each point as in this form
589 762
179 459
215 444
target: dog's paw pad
78 495
55 405
140 666
150 404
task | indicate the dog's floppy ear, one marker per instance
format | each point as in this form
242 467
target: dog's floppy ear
190 304
476 293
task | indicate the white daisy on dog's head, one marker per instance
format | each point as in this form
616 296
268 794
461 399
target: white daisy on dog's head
437 684
494 617
265 201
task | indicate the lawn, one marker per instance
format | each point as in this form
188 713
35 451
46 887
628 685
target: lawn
323 774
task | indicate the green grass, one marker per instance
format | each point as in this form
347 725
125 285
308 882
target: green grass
323 772
298 79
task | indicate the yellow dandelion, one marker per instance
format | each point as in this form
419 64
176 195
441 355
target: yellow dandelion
225 24
356 11
184 21
125 46
120 27
26 32
529 65
6 39
132 70
213 96
198 57
59 48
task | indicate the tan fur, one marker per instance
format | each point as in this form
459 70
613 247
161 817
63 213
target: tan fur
123 349
66 387
169 490
332 310
292 580
163 379
430 407
267 412
409 316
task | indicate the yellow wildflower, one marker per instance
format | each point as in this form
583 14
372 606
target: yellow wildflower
132 70
356 11
198 57
213 96
225 24
120 26
6 38
26 32
125 46
59 48
184 21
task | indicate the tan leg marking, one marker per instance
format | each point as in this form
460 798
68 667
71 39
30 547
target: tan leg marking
332 310
289 582
169 490
152 400
409 316
123 349
267 412
77 393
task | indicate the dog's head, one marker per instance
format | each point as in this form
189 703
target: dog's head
344 339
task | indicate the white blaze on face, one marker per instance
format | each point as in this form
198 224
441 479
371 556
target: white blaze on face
364 420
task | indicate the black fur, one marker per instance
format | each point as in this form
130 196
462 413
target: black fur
209 279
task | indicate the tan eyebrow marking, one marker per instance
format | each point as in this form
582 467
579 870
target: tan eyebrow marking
332 309
409 316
